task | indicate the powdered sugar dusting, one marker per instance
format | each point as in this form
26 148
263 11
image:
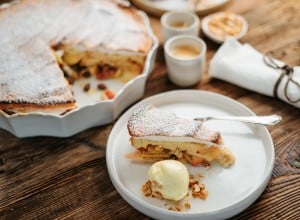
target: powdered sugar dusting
27 77
29 72
150 121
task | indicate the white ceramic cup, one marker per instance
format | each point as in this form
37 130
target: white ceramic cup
185 70
179 22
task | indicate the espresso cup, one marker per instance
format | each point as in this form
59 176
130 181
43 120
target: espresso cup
179 22
185 58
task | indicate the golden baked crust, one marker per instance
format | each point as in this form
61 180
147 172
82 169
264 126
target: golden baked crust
158 135
30 29
193 153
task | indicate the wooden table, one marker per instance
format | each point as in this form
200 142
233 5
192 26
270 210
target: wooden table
66 178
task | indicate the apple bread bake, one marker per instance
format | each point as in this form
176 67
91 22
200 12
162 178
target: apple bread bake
47 44
159 135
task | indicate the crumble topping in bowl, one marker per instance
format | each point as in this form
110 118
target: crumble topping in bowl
222 25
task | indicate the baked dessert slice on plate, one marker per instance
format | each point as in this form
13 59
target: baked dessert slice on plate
159 135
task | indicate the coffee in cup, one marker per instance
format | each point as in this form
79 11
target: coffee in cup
184 51
185 58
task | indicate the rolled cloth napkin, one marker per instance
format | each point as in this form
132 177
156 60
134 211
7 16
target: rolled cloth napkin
244 66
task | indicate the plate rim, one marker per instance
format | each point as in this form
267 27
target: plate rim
158 11
139 204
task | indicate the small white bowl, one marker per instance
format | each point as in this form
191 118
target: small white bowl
209 34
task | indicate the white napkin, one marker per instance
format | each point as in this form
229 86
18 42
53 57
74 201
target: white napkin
244 66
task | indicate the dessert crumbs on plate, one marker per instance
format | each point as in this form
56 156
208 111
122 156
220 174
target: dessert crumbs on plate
196 190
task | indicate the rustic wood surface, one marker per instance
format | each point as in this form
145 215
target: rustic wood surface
66 178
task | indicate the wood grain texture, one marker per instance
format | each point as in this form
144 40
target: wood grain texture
55 178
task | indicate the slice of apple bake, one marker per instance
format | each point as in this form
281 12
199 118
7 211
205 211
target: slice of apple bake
159 135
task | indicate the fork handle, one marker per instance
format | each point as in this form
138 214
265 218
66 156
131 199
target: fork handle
264 120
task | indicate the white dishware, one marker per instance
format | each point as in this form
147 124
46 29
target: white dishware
179 22
230 190
158 7
185 70
91 111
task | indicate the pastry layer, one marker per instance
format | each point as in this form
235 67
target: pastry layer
102 64
194 153
159 135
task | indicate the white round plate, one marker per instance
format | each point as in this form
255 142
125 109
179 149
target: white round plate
230 190
158 7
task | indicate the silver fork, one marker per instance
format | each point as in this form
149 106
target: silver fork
263 120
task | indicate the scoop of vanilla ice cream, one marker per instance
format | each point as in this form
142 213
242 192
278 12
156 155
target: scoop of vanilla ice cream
170 178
